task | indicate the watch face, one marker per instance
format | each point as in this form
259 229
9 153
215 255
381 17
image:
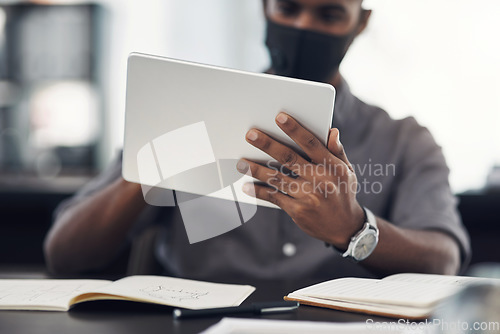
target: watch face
365 245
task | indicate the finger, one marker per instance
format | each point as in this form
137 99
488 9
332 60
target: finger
335 146
269 194
282 153
308 142
272 176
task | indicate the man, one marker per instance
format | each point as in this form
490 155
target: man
397 217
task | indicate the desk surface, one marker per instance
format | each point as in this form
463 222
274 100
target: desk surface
105 317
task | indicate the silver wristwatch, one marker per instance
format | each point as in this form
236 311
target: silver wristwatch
364 242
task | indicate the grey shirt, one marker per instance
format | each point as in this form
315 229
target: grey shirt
402 176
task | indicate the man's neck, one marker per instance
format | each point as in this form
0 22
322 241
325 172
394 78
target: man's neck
336 81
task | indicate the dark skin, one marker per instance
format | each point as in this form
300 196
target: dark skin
329 17
89 234
334 215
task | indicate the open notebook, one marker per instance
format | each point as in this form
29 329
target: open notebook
61 294
411 296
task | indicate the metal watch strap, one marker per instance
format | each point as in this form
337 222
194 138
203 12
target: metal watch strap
369 219
370 223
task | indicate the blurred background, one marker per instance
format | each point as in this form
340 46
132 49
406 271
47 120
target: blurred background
63 77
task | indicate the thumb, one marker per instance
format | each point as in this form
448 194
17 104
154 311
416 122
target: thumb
336 147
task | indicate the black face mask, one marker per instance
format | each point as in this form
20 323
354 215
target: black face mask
305 54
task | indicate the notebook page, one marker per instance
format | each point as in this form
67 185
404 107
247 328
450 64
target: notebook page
178 292
379 291
441 279
400 311
47 294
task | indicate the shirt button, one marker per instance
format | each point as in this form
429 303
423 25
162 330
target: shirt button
289 249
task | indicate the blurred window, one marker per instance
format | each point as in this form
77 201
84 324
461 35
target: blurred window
50 114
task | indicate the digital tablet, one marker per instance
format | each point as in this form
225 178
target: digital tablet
185 123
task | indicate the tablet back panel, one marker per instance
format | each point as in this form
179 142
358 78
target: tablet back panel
185 123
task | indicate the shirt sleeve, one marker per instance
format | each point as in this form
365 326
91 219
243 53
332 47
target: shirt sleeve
107 177
422 194
113 172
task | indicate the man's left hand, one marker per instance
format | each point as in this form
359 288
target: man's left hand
319 193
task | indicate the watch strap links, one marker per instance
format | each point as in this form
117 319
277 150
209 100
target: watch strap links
370 222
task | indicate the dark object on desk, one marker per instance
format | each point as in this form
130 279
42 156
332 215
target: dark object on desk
480 212
254 308
475 308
